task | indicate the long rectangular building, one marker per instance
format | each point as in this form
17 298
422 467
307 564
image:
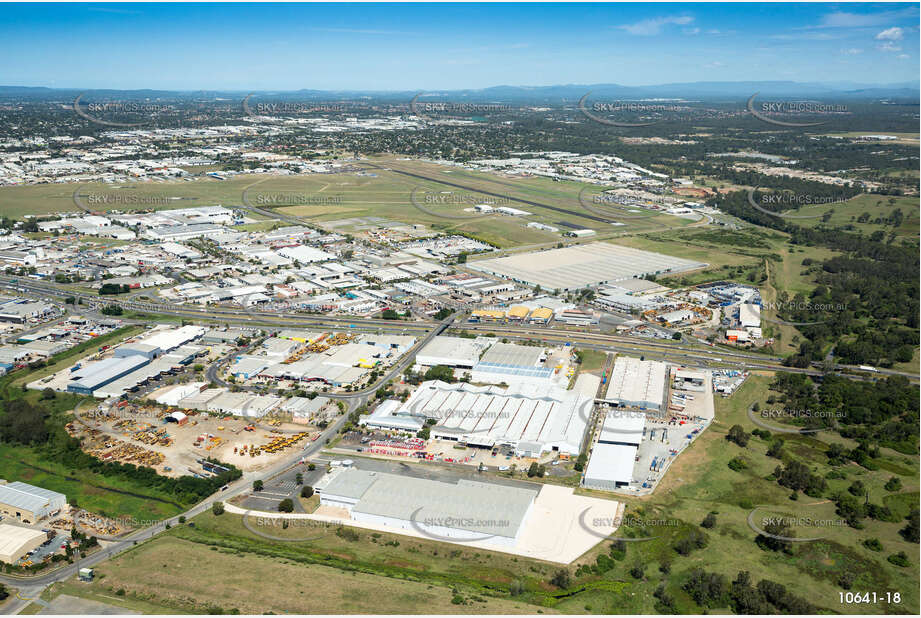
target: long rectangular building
96 375
28 503
637 383
581 266
454 512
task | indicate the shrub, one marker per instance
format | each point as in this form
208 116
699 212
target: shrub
561 579
738 464
893 484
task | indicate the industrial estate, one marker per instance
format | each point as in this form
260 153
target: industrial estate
496 351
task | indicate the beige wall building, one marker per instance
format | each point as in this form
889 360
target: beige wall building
16 541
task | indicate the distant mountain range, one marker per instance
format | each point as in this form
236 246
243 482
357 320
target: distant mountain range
551 95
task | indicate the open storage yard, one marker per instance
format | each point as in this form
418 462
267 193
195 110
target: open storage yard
141 435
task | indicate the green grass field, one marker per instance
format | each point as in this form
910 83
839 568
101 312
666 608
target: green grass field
379 192
96 493
878 206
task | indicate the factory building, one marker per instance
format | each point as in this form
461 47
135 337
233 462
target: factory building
614 455
454 512
581 266
635 383
96 375
458 352
512 364
749 315
28 503
183 232
531 419
17 541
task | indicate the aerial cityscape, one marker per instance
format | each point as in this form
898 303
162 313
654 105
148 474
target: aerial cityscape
449 309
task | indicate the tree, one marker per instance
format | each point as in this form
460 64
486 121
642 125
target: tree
306 491
893 484
286 505
440 372
737 434
257 485
910 532
48 393
775 539
776 448
709 521
707 589
561 579
299 478
217 508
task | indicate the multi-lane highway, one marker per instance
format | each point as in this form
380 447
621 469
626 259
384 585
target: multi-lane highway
594 340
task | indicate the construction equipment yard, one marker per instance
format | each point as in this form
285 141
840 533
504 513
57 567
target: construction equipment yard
142 435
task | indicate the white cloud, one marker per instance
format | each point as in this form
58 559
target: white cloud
902 56
692 30
890 34
650 27
889 46
853 51
841 19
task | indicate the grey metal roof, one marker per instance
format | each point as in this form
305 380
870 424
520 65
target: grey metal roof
350 483
27 497
104 371
468 505
512 355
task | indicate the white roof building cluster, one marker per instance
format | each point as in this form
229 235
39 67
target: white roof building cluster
531 420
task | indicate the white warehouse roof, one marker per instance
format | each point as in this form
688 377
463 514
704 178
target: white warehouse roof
451 351
610 465
637 383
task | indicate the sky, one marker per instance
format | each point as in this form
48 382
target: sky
227 46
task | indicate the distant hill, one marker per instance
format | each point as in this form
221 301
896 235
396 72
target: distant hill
551 95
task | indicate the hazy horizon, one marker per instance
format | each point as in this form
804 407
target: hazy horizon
399 47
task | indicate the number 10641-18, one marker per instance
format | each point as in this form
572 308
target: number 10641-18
870 597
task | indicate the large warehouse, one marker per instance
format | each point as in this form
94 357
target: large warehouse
465 511
459 352
530 419
512 364
581 266
614 456
96 375
636 383
28 503
16 541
